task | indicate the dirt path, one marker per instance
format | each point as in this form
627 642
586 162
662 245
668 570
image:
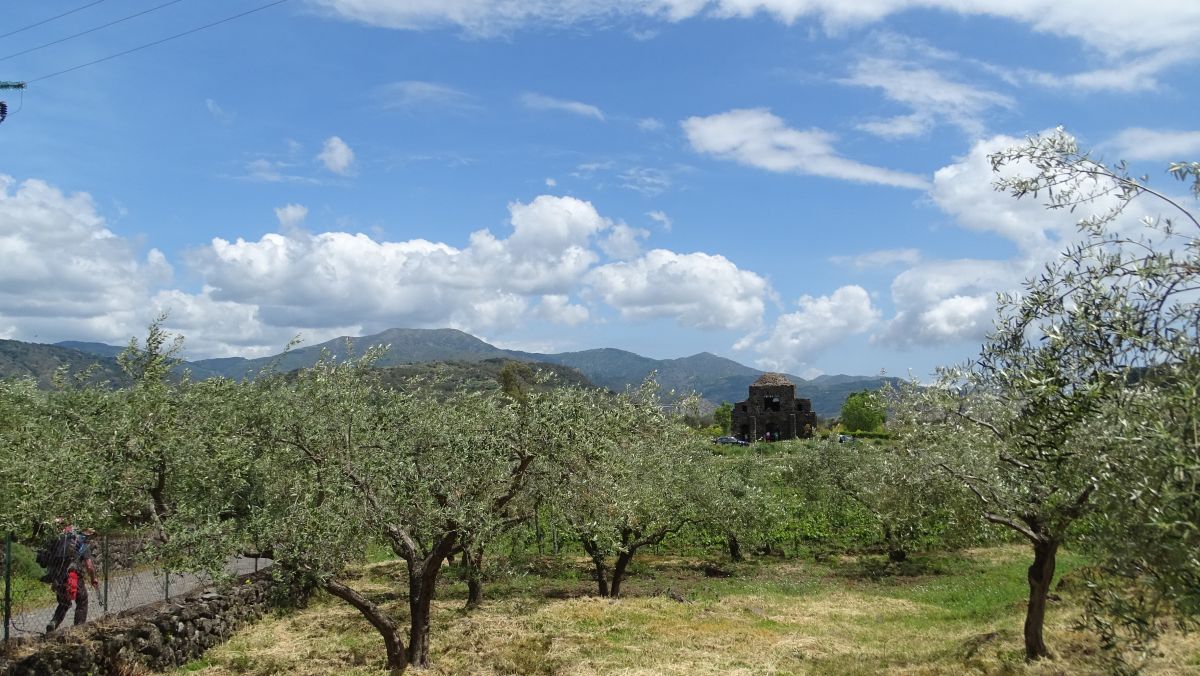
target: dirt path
128 591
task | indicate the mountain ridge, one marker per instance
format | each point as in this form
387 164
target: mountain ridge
714 378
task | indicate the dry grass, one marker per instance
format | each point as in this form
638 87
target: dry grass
777 617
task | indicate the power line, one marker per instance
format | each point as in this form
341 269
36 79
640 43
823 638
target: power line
90 30
156 42
35 25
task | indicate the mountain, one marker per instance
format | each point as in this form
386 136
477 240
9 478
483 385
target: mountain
98 349
714 378
408 346
38 361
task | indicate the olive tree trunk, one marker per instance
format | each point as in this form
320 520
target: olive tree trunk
397 660
1041 574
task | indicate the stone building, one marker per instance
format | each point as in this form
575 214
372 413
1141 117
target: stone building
773 408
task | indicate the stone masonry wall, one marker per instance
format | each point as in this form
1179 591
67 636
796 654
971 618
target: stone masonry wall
166 635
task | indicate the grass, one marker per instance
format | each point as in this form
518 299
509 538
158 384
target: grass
947 614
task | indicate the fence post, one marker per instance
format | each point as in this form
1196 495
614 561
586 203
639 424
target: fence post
8 538
104 562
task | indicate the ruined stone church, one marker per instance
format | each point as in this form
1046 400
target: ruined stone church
772 408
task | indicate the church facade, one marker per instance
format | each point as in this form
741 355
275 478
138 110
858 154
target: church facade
773 409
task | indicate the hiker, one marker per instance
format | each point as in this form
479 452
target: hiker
66 558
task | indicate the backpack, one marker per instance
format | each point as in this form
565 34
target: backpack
59 556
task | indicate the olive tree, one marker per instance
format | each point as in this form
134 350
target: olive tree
740 506
630 475
23 445
351 462
910 505
1132 291
1080 401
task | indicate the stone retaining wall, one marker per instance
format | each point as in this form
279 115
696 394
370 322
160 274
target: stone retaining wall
165 635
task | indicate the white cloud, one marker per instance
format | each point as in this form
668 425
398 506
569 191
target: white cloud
661 218
1134 42
696 290
947 301
338 279
559 309
411 94
650 124
900 126
645 180
622 242
821 322
1127 75
879 259
1111 27
757 138
1163 145
291 215
64 274
337 156
964 190
535 101
551 183
929 94
218 112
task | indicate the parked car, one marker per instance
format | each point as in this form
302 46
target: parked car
730 440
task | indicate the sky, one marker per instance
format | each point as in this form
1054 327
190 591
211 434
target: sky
799 185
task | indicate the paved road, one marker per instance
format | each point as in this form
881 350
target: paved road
130 590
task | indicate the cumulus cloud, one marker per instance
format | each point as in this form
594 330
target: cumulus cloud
559 309
535 101
696 289
622 242
337 156
335 279
64 273
947 301
757 138
943 302
819 323
67 276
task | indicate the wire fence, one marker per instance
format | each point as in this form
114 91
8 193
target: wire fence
122 584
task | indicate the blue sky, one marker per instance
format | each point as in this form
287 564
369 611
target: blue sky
795 184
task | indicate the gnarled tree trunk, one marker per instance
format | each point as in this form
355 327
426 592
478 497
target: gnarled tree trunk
735 548
472 564
623 560
422 581
1041 574
597 557
397 660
